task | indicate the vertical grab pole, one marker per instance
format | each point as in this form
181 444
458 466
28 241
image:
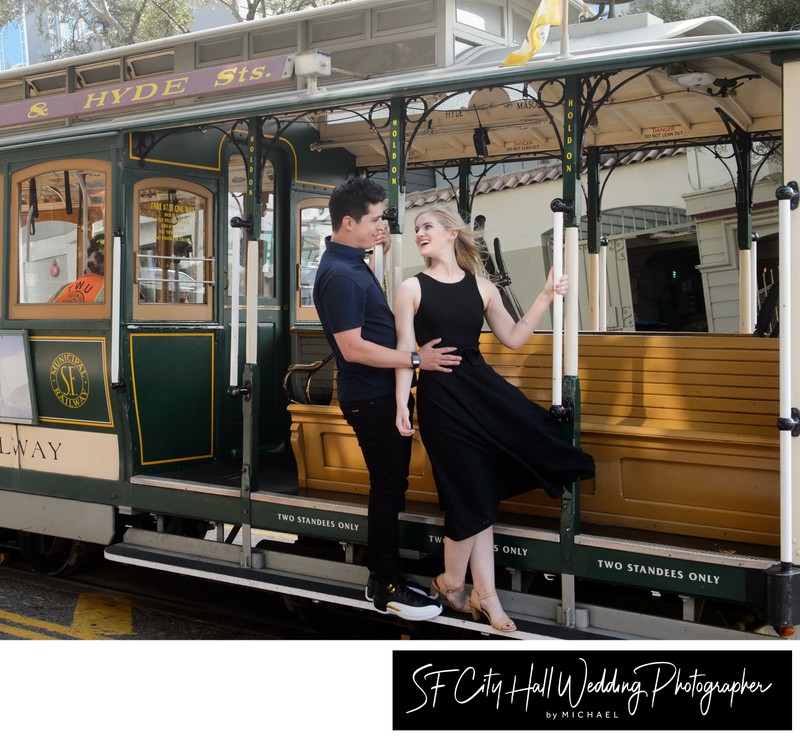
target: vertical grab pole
249 389
602 268
250 401
116 307
235 279
754 274
746 270
558 301
594 290
594 239
378 257
569 523
571 255
789 420
251 332
396 272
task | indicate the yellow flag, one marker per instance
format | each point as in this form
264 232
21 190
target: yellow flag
547 14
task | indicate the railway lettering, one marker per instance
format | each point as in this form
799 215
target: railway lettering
24 449
69 380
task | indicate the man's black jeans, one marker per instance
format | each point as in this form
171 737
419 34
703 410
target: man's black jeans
387 455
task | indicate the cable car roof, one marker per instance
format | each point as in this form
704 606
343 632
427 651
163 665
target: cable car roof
659 82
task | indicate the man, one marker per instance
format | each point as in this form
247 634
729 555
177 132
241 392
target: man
359 326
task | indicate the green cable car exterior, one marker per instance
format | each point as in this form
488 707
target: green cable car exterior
144 400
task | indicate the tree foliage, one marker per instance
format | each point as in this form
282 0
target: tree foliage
667 10
760 15
245 10
77 26
747 15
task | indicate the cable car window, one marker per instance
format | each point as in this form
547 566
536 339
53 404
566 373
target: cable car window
484 16
61 250
314 224
266 246
174 257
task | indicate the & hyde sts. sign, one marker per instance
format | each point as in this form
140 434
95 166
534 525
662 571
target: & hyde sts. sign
177 86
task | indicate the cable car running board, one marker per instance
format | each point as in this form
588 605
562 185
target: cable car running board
292 584
343 584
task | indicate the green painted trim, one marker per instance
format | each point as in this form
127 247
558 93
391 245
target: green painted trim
183 503
572 143
662 573
397 162
64 486
328 524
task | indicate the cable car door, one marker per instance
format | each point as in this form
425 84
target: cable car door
173 338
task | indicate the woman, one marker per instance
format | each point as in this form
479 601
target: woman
485 439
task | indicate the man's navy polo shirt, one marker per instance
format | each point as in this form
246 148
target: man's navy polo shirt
347 295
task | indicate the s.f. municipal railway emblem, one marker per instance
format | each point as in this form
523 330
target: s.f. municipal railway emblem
69 380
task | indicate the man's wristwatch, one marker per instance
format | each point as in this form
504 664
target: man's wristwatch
414 360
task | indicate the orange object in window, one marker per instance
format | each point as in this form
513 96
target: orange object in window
88 288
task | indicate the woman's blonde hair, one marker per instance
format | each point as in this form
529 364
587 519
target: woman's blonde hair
468 254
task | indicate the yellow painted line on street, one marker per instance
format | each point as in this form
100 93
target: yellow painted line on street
33 624
30 635
101 615
98 616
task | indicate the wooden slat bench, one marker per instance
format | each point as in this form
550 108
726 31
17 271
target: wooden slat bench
681 427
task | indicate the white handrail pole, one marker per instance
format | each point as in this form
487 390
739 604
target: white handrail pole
235 279
785 350
594 291
378 257
745 291
754 283
396 274
564 47
251 328
603 269
558 305
571 322
116 307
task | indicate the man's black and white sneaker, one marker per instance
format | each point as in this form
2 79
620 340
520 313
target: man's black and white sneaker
407 604
369 590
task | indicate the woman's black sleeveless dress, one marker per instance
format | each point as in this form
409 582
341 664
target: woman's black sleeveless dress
485 439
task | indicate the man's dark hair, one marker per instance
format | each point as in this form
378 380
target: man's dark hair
353 197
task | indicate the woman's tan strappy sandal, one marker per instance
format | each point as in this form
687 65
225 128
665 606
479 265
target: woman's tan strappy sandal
504 624
437 589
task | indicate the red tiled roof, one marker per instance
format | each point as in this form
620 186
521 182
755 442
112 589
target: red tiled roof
542 173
